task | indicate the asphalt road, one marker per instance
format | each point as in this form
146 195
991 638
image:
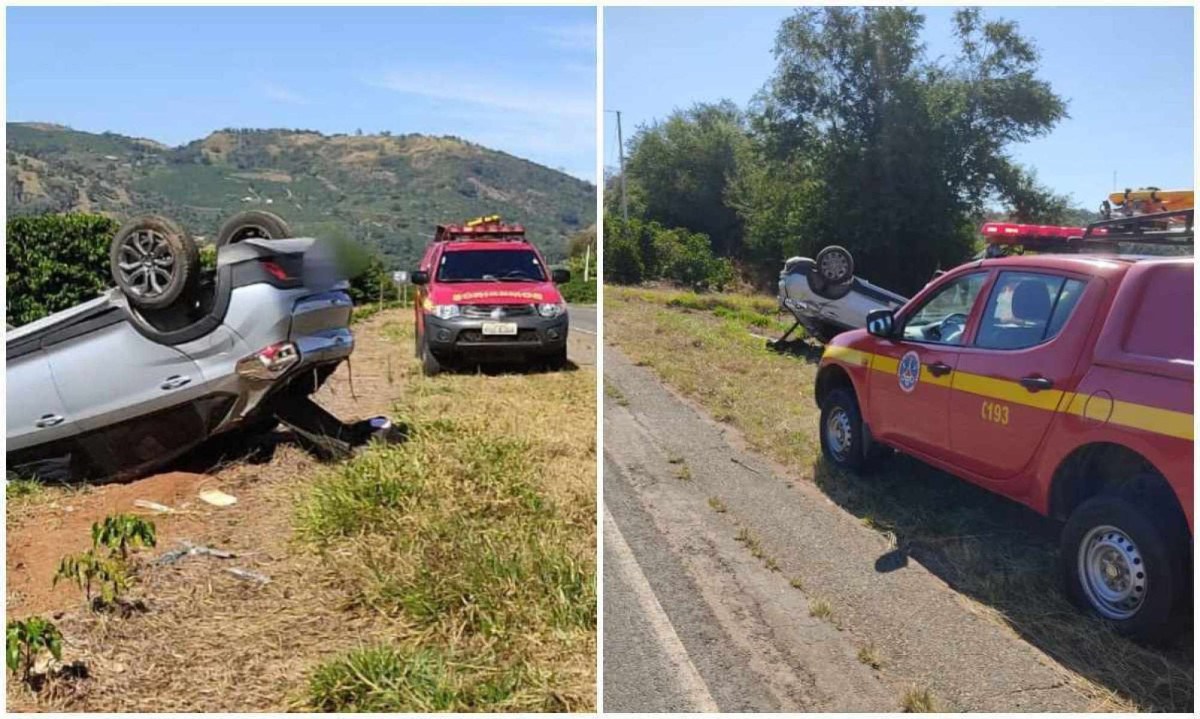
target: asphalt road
694 621
583 318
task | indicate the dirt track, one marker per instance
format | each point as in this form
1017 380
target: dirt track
207 632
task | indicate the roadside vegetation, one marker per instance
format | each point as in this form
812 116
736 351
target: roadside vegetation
861 137
996 553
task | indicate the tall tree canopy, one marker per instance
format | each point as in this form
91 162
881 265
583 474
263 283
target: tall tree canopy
678 169
863 141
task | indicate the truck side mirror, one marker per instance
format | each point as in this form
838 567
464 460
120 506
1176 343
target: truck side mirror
881 323
560 276
419 277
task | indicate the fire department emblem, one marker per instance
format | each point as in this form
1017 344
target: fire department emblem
909 371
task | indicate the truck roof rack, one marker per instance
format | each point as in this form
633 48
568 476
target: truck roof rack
1159 228
487 227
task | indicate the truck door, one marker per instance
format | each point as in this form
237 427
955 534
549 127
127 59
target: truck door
1012 376
36 415
909 389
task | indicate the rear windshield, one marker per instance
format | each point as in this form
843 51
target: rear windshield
1156 329
490 266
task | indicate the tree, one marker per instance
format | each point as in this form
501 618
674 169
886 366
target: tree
622 257
678 169
55 262
864 142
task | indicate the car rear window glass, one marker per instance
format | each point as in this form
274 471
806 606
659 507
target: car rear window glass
1026 309
1155 330
490 266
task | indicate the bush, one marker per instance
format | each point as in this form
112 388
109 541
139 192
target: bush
55 262
577 290
637 250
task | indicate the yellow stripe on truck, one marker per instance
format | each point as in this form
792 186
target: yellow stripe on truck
1127 414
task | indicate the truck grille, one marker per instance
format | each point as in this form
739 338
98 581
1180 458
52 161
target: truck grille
485 311
476 337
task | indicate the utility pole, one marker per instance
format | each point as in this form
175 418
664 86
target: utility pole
621 155
587 260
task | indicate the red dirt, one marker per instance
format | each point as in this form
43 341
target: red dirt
36 543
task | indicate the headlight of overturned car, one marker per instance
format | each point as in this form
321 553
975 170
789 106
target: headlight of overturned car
446 312
552 309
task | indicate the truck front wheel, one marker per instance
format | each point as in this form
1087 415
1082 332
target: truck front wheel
842 430
1124 564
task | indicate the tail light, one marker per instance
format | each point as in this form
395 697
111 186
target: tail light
270 362
275 270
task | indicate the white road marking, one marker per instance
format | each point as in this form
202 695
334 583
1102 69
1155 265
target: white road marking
685 672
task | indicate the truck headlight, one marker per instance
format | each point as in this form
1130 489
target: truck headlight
552 309
446 312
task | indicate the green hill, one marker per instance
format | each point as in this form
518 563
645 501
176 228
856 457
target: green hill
387 191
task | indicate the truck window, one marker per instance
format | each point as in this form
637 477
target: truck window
1026 309
943 317
1162 325
490 266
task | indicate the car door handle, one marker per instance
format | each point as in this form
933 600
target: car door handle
1034 383
48 420
937 369
175 381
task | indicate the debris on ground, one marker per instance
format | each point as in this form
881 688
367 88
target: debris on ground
153 506
188 549
217 498
248 575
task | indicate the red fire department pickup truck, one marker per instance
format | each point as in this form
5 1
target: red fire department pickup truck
1061 380
484 292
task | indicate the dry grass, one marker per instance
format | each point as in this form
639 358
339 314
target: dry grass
821 609
868 654
918 700
717 505
999 555
456 571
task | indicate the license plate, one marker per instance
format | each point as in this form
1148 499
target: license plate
500 328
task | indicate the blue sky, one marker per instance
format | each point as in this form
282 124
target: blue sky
1119 68
520 80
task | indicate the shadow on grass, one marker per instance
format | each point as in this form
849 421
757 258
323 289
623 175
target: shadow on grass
1004 556
494 368
810 353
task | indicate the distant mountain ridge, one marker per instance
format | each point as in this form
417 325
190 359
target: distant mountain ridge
387 191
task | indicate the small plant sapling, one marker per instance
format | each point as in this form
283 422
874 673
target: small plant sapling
26 640
122 532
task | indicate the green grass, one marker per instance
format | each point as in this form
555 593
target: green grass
18 489
475 538
389 679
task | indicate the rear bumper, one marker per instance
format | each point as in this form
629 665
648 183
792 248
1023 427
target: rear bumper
461 335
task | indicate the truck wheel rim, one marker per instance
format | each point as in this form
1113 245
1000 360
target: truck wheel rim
146 263
838 433
250 232
1112 573
834 266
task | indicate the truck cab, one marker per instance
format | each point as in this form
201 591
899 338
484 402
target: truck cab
484 292
1063 381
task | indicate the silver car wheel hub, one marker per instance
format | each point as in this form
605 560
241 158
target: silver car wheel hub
1112 573
839 434
833 266
146 263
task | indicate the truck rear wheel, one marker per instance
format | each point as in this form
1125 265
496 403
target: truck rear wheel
1122 563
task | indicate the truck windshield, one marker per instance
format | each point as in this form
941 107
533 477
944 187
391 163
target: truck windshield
490 266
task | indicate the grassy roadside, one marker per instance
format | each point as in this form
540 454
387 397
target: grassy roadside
994 552
476 539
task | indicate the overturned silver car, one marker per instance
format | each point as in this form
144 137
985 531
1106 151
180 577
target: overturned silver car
826 298
176 354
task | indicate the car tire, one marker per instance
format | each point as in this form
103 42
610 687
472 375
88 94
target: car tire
430 365
258 224
842 430
835 265
1119 561
144 251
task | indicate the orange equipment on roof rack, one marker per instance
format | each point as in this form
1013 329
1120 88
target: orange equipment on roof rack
487 227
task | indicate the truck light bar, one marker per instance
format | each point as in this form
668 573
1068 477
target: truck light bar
1014 233
488 227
